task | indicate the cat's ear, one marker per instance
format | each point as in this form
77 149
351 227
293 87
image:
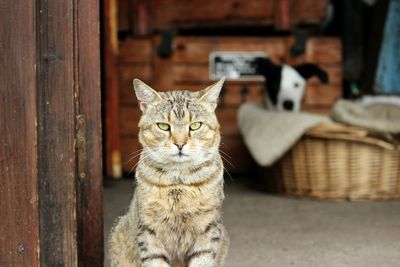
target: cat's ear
145 94
211 93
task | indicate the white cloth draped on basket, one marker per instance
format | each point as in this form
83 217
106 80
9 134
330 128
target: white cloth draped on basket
269 134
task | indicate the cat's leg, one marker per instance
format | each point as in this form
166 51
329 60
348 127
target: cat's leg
152 252
210 248
123 250
223 247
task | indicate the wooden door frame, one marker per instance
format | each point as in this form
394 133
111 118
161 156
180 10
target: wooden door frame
52 185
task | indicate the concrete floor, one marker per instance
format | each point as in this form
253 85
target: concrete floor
276 231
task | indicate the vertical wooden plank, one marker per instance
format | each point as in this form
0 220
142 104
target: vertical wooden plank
19 232
110 68
141 11
124 15
56 132
90 188
283 15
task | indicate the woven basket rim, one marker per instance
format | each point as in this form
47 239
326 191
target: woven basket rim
340 131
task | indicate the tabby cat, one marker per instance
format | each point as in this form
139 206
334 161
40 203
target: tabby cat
174 218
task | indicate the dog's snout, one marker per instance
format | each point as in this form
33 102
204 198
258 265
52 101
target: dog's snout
288 105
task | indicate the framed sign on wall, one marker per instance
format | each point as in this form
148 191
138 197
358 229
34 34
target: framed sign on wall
234 65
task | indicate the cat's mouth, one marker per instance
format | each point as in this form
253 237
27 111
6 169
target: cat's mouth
181 156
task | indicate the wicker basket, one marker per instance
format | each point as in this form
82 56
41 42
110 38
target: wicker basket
333 161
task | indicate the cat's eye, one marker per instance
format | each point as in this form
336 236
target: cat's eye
195 126
296 85
163 126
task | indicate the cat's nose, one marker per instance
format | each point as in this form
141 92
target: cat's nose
180 145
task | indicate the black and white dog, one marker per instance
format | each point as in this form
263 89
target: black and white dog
286 85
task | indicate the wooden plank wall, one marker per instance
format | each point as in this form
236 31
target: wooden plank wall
146 16
188 69
19 224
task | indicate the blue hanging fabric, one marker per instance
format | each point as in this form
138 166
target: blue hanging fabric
388 72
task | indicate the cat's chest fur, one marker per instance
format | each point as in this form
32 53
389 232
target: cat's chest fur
180 207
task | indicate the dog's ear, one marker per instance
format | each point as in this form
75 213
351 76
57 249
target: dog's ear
308 70
272 74
265 66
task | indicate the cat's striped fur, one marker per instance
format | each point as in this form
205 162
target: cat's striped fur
175 215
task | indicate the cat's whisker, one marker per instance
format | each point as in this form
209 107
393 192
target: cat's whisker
136 154
140 160
146 156
230 163
224 158
228 173
136 151
131 158
226 154
223 153
226 169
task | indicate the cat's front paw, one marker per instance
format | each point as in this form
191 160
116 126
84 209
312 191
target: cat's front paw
202 259
201 262
155 260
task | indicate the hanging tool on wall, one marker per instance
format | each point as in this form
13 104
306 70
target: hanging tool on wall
164 50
